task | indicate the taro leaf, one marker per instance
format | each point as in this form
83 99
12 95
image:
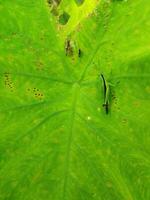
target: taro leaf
56 141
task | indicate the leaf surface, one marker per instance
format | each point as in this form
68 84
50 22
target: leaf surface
56 141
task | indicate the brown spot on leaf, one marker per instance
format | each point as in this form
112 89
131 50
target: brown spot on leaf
8 81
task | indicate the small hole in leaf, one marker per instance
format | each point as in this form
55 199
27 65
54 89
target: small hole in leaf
64 18
53 2
79 2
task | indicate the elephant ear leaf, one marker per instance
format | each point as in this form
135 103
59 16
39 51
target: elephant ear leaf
57 140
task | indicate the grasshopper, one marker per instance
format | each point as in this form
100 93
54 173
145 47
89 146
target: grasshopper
106 94
68 48
79 53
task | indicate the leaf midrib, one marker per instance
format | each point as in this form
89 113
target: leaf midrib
76 91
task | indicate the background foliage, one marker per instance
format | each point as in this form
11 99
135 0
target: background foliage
56 141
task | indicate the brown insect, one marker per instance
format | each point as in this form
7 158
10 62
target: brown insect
68 48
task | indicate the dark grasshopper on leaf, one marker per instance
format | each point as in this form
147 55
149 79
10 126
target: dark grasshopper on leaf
79 53
106 94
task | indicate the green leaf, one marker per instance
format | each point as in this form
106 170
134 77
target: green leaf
56 140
